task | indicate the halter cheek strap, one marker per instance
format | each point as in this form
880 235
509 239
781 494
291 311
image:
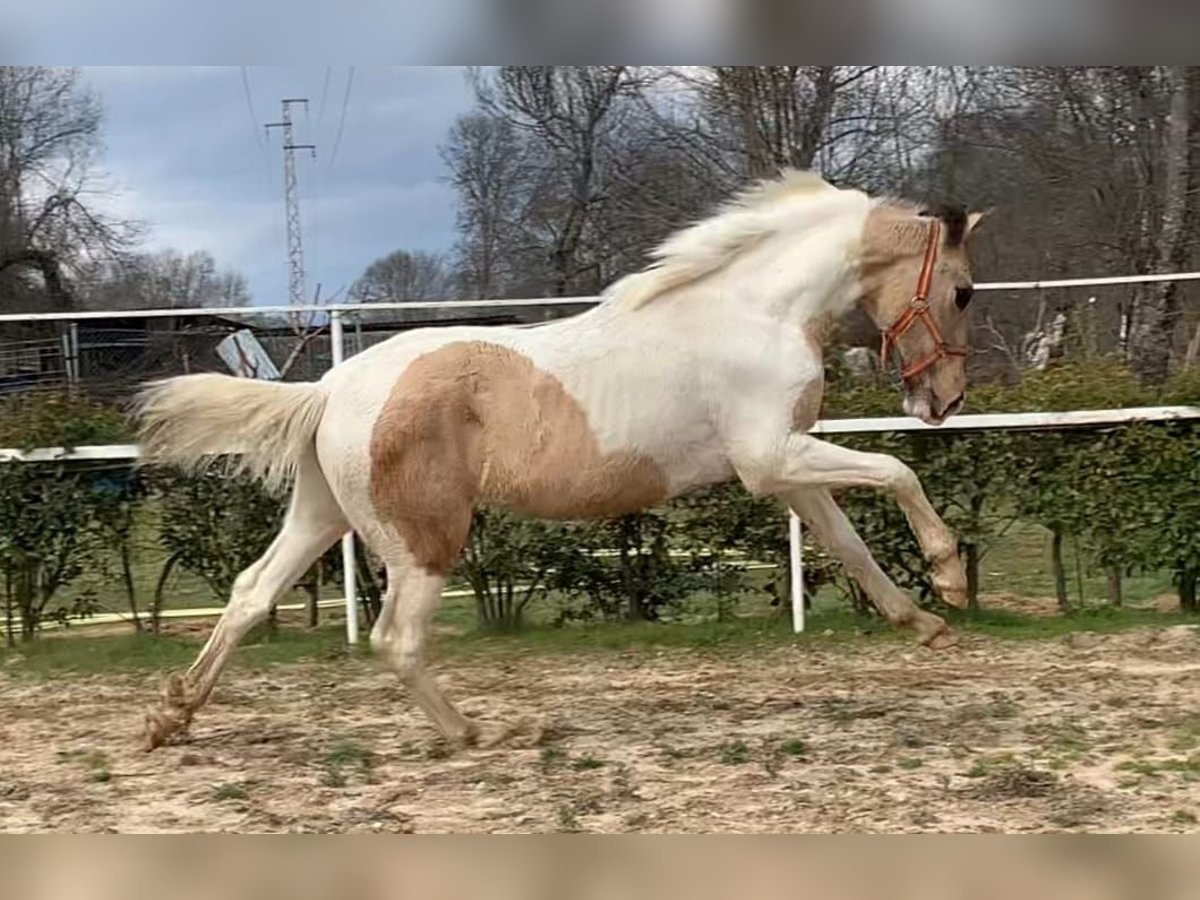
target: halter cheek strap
918 311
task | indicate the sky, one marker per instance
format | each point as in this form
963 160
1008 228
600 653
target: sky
185 156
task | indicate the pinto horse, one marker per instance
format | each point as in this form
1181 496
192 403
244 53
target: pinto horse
704 367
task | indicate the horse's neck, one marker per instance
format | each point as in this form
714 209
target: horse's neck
814 282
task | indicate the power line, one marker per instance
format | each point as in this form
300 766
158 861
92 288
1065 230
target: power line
250 107
337 141
324 95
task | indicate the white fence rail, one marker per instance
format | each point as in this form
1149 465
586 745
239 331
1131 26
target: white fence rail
337 313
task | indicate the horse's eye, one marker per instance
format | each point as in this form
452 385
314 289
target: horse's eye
962 296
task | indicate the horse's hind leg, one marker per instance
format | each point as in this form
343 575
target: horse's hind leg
401 638
314 521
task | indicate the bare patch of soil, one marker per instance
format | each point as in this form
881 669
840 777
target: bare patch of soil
1096 734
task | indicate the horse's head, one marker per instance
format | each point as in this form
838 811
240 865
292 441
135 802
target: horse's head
916 282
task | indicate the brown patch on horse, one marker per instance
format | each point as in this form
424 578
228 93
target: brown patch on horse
474 422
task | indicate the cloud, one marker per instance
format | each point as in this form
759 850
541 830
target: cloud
187 158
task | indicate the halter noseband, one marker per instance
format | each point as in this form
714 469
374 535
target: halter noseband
918 311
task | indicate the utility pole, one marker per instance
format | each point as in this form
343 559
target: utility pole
296 295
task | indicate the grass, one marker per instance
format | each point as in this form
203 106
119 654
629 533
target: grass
551 756
348 753
586 763
794 748
229 791
1019 563
1186 735
1187 767
734 753
82 654
345 755
984 766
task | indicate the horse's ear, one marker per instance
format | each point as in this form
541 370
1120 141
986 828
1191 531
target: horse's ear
974 218
953 217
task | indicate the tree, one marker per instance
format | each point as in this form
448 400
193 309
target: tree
1165 483
490 170
216 525
401 276
1156 309
51 530
50 224
1093 166
507 563
167 279
568 118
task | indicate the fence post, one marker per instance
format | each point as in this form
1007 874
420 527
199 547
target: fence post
796 558
349 574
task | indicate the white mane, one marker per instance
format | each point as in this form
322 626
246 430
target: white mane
709 245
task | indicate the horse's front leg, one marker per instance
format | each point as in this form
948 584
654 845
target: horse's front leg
834 531
806 462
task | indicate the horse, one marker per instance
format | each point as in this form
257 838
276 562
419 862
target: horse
704 367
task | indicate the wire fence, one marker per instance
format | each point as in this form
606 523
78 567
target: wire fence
106 355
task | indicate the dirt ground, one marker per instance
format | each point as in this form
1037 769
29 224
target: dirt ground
1091 733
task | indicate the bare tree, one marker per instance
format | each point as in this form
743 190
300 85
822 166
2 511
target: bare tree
489 169
49 222
569 116
163 280
1091 166
566 175
401 276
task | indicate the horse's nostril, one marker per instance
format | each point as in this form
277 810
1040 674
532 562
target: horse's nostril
952 407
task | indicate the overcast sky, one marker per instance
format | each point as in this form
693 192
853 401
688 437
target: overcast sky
184 156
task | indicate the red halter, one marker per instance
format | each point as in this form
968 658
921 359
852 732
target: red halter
918 311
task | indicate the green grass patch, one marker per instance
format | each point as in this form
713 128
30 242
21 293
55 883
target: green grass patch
348 753
1188 767
734 753
230 791
984 766
83 654
1002 623
794 748
1018 562
552 756
1186 735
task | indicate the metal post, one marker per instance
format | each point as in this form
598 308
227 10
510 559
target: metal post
73 334
337 351
797 567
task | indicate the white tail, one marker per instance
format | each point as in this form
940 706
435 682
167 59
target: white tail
268 425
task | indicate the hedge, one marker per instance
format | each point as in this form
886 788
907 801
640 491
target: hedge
1128 496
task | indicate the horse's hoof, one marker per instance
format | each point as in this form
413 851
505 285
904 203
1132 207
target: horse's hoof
160 726
523 733
941 640
950 581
